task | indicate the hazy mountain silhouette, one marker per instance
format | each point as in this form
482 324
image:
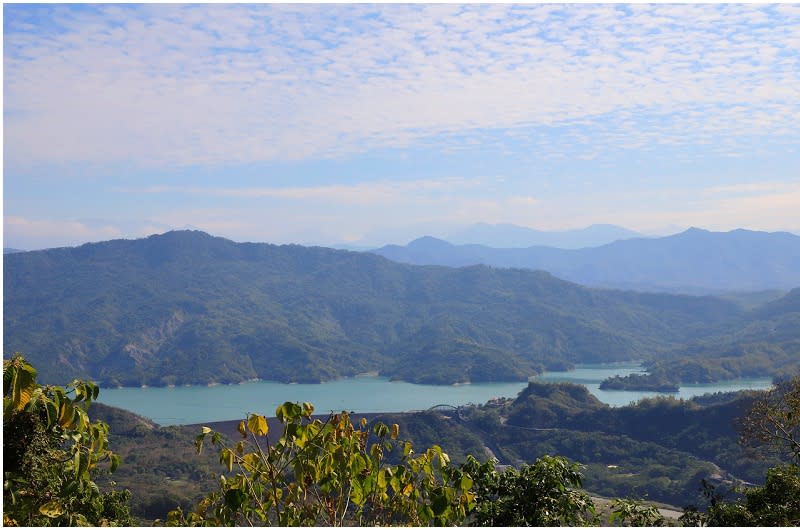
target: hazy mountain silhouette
694 261
513 236
494 235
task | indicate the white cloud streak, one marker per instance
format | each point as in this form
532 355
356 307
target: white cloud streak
177 86
336 213
379 193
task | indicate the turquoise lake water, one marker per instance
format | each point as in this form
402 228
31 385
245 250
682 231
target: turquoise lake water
592 375
198 404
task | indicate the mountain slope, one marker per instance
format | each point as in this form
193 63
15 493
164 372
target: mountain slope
185 307
693 262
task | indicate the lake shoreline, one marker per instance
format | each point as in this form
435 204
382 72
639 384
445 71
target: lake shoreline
371 394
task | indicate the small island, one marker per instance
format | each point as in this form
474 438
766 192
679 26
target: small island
640 382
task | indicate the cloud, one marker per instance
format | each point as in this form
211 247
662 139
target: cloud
31 234
754 189
769 206
373 194
178 86
44 233
335 213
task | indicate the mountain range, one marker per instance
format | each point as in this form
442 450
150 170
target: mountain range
185 307
497 235
515 236
693 262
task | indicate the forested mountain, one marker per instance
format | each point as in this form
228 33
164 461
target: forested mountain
185 307
766 343
693 262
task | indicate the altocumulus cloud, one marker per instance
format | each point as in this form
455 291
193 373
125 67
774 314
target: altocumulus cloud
167 85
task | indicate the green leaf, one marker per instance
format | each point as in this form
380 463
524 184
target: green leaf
381 430
51 509
76 463
288 411
234 498
198 443
52 412
115 461
227 457
439 504
258 425
356 493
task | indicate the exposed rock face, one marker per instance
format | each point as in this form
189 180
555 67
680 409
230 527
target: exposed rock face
152 339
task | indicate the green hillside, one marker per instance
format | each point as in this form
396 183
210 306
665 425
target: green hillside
185 307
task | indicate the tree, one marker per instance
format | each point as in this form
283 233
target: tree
334 472
328 473
776 503
773 423
51 450
635 513
541 494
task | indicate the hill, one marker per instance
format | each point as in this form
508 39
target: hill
160 465
184 307
692 262
765 343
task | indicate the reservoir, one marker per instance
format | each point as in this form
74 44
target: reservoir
591 375
198 404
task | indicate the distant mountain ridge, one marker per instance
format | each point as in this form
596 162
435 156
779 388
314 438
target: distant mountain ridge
503 235
694 262
185 307
514 236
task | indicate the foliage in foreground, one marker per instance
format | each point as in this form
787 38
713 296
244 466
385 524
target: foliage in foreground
773 423
335 473
776 503
773 426
542 494
328 473
51 450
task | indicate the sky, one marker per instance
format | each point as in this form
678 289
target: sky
373 124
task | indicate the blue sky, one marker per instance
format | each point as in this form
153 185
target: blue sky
379 123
